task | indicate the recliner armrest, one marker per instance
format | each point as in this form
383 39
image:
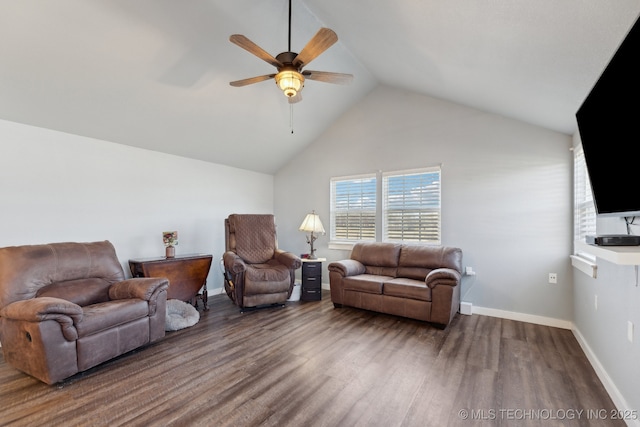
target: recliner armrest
46 308
347 267
138 287
288 259
233 263
442 276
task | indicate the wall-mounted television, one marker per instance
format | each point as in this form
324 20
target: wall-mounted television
609 126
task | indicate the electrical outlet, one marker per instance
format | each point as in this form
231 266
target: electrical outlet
630 331
553 278
595 302
466 308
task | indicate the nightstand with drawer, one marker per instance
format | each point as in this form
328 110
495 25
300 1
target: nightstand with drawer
311 279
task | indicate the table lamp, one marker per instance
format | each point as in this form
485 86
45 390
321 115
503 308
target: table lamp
312 224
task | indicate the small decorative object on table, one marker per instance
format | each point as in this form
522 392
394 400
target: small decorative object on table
170 239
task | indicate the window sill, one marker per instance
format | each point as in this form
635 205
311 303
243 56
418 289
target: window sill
341 246
587 266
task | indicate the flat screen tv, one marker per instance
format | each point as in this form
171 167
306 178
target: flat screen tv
609 126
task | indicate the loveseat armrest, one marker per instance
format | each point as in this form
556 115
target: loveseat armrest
288 259
347 267
46 308
443 276
144 288
233 263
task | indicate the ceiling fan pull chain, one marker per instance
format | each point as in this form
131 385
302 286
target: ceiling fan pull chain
291 117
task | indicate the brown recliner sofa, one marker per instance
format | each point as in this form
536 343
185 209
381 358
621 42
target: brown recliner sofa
66 307
416 281
257 272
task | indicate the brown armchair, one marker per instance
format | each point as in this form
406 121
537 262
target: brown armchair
66 307
257 273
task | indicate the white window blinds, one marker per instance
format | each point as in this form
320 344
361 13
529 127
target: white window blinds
353 208
411 206
584 209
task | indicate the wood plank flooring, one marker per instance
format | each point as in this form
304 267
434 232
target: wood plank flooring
309 364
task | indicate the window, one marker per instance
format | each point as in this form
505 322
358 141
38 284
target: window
411 211
584 209
353 208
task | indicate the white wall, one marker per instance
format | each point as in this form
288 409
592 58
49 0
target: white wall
604 330
59 187
506 190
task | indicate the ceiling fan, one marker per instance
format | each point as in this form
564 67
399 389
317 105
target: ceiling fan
290 77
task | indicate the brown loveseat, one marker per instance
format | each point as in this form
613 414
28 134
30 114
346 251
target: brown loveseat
66 307
415 281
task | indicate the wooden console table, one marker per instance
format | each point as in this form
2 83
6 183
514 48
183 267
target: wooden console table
186 274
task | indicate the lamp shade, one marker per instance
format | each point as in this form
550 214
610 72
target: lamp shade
312 224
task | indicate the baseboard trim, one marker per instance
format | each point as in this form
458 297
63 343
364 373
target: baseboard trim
523 317
605 379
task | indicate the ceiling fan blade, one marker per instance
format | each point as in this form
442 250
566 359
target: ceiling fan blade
253 48
328 77
251 80
295 99
322 41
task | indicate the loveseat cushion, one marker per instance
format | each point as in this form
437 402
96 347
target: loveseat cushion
430 257
378 254
407 288
106 315
369 283
81 291
415 262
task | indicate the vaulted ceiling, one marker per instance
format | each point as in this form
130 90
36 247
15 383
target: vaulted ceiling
155 73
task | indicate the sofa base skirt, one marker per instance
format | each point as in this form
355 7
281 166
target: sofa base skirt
110 343
404 307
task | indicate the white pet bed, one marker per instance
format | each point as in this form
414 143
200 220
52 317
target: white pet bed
180 315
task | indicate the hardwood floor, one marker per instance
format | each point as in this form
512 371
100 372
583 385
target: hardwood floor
309 364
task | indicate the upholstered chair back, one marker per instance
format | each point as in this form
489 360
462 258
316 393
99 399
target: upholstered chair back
77 272
252 237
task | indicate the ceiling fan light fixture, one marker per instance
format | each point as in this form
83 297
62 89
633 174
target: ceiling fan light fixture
290 82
